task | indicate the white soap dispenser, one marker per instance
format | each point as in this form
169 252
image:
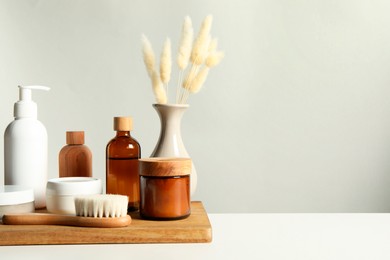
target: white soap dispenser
25 147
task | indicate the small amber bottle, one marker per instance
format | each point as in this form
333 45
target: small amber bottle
165 188
122 154
75 159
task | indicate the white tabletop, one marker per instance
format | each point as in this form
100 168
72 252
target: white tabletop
248 236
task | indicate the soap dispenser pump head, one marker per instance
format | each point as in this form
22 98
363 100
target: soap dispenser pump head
25 107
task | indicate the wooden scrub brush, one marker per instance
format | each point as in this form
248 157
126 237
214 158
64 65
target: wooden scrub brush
105 211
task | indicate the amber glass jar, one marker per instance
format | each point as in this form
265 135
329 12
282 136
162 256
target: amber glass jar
122 154
75 158
165 188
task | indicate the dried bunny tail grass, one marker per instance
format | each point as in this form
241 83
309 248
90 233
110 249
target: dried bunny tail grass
213 45
202 41
158 89
148 55
166 62
214 58
200 50
187 81
185 46
199 80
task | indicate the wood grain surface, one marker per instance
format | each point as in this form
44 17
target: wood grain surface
194 229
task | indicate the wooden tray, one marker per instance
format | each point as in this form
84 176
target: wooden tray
194 229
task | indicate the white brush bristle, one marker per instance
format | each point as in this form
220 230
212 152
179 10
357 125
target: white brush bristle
101 205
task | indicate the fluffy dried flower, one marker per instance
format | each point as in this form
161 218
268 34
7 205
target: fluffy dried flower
188 80
213 45
148 55
199 80
201 52
185 46
158 89
214 58
201 44
166 62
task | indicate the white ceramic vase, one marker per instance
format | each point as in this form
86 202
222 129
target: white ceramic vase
170 143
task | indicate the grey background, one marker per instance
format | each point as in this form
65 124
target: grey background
295 119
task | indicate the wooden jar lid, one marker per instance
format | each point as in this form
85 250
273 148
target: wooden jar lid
75 137
123 123
165 167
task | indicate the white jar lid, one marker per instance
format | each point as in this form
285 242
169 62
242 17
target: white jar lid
66 186
15 194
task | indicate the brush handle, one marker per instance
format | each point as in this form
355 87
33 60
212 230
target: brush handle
65 220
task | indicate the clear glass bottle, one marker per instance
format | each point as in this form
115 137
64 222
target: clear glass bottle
75 158
122 154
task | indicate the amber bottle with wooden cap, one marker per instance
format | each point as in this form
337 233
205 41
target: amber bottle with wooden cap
122 154
165 188
75 159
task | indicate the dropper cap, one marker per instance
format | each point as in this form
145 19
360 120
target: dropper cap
123 123
74 137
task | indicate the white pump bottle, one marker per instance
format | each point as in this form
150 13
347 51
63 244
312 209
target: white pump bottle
25 147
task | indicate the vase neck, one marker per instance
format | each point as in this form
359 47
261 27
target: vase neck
170 143
170 112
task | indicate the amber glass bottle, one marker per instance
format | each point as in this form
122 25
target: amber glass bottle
75 158
122 154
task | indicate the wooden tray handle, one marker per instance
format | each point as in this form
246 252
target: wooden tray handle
65 220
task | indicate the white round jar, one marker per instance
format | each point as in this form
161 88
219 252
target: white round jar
60 192
16 199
